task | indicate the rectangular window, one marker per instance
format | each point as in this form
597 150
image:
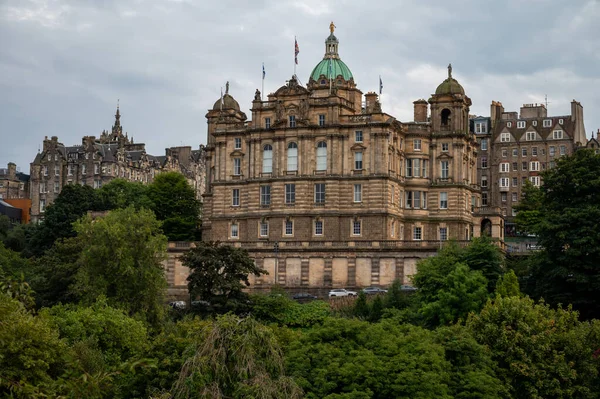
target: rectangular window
96 169
552 164
237 143
503 197
49 157
484 199
45 170
424 171
97 183
505 137
535 180
56 187
504 152
416 168
504 182
515 181
409 199
417 144
358 160
484 163
547 122
265 195
515 152
484 145
235 197
444 168
42 187
292 120
358 136
524 165
514 197
70 169
417 234
83 169
358 193
534 166
356 228
552 151
563 150
289 228
42 205
234 230
484 181
409 171
557 134
481 127
530 136
416 199
443 200
515 167
56 170
504 167
524 151
264 229
534 151
318 227
523 180
237 166
321 120
267 123
520 124
320 193
443 233
290 193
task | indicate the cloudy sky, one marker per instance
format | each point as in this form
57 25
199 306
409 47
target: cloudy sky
64 63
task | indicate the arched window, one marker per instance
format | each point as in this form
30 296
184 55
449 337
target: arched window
322 156
292 157
445 116
267 159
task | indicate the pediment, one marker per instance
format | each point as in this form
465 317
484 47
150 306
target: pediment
358 147
444 155
237 153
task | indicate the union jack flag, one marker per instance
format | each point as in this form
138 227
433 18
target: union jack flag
296 50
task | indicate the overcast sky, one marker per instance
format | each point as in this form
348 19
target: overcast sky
64 63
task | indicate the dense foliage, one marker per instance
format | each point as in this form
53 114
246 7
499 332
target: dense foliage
564 213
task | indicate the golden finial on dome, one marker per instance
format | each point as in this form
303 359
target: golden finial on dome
331 27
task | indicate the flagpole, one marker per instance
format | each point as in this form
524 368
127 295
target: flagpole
295 55
262 89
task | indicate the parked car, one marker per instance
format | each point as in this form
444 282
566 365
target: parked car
408 288
374 290
303 297
341 292
177 304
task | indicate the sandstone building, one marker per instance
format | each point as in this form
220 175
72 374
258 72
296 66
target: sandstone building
99 160
14 194
325 189
516 148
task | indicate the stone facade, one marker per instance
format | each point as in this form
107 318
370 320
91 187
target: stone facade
325 190
515 148
13 184
97 161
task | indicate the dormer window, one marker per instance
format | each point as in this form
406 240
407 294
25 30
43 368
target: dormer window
547 123
534 123
508 124
520 124
561 121
323 82
557 134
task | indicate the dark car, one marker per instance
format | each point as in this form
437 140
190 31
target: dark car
373 290
304 297
409 288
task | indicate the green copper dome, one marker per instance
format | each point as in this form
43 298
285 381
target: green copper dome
450 85
338 67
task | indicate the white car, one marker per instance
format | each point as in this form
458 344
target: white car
341 292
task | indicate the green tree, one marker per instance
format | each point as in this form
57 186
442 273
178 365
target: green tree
219 273
235 358
463 291
120 193
529 209
539 352
508 285
376 309
567 271
175 204
481 254
361 307
31 353
72 203
122 260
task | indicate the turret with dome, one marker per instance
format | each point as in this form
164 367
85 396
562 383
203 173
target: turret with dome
331 69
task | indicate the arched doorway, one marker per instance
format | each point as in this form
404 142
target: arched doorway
486 227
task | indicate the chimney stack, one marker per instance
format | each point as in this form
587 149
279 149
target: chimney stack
420 110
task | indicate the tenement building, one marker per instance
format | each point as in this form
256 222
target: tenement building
14 194
514 148
325 189
97 161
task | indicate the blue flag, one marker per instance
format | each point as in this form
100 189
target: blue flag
264 71
380 85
